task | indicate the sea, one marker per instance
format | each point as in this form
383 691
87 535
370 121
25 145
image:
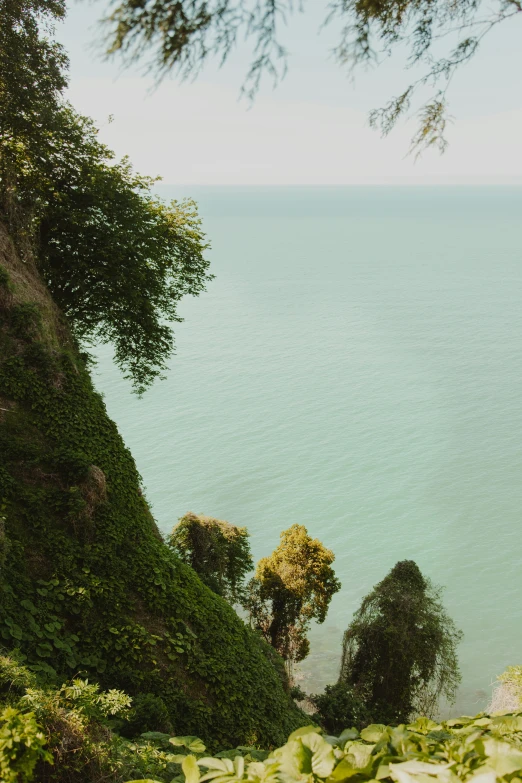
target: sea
355 367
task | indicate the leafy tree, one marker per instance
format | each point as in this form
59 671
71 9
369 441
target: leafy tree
116 258
399 652
292 587
32 77
183 34
218 551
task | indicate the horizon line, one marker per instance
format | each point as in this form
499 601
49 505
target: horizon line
516 182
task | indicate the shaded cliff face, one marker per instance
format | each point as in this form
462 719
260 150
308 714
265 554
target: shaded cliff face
86 582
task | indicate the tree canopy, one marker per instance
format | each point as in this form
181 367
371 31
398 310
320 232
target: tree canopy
116 258
181 35
218 551
292 587
399 652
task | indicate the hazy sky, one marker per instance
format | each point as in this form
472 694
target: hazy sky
312 129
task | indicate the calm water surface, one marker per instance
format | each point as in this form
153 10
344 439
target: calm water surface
356 367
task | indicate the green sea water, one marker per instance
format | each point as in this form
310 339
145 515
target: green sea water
356 367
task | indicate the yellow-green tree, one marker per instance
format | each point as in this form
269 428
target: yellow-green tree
292 587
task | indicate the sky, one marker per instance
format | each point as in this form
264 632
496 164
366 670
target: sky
312 129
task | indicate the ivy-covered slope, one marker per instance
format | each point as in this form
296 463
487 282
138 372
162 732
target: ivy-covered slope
86 582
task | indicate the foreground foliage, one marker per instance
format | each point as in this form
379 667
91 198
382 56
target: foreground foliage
72 734
69 734
483 749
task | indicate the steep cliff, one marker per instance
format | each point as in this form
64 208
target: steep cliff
86 582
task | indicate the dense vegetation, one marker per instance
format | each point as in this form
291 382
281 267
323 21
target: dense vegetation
86 581
289 589
68 735
115 258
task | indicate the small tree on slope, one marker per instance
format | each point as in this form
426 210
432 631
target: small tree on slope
292 587
218 551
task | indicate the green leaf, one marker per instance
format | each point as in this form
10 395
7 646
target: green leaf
212 763
343 771
239 766
323 759
506 724
416 771
358 754
462 721
373 733
175 758
302 731
190 769
483 777
197 746
415 767
348 734
424 726
502 757
294 760
193 744
482 722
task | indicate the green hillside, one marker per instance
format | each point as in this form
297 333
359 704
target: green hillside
86 582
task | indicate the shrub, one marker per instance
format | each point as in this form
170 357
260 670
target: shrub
148 713
507 695
340 707
15 679
22 745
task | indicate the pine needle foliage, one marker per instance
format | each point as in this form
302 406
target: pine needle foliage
400 651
